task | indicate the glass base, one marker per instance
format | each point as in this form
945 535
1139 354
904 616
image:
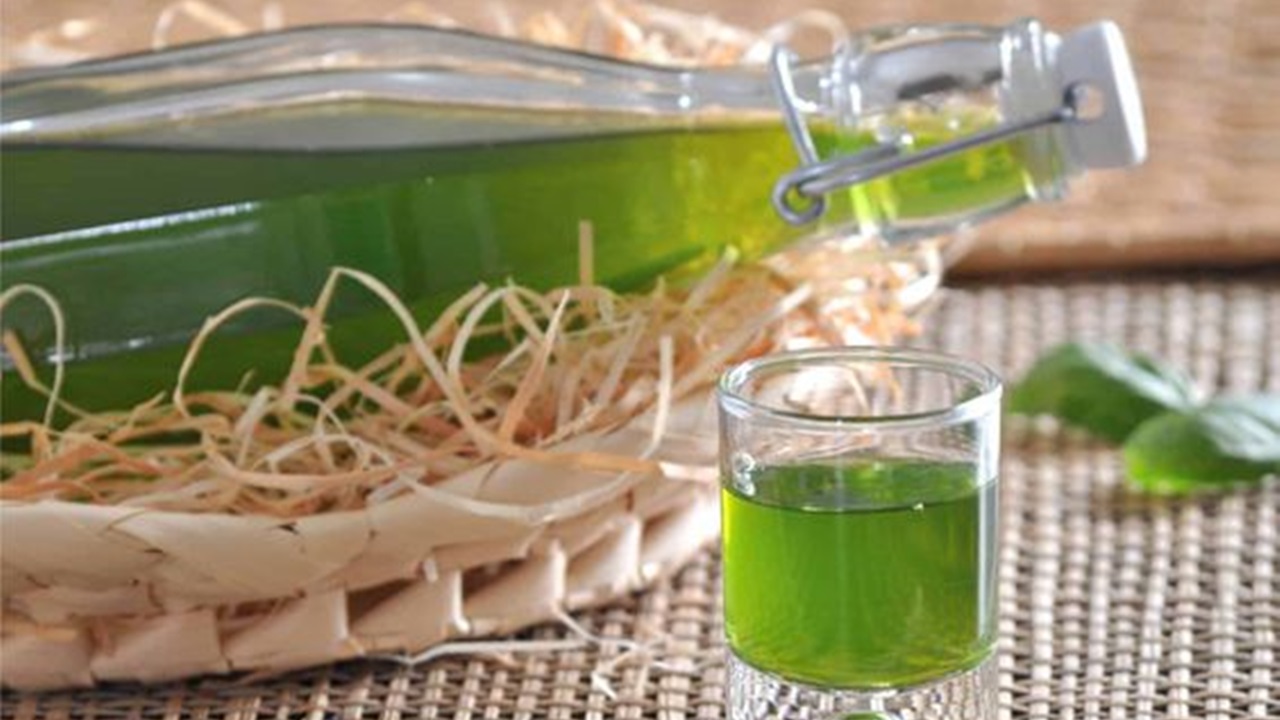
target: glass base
756 695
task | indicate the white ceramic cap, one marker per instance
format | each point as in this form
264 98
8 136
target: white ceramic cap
1095 56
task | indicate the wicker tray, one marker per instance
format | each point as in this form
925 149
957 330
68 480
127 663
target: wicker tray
1113 605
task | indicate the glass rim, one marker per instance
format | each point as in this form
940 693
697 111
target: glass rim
729 387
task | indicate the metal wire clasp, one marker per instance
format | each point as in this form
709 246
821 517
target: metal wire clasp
800 195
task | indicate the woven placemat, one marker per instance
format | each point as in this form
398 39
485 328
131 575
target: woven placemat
1114 605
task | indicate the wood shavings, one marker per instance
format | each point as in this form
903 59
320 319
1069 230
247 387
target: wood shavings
21 361
630 651
496 648
628 29
580 360
212 17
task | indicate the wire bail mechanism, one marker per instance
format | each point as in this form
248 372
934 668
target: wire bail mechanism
800 195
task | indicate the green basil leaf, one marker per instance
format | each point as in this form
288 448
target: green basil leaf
1227 440
1100 388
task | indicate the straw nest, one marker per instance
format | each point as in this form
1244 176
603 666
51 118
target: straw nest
425 496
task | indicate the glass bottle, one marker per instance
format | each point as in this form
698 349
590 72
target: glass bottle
147 192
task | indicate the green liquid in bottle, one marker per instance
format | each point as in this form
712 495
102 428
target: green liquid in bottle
861 576
144 234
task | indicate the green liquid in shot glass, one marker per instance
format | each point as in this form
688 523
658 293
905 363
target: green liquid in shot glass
869 575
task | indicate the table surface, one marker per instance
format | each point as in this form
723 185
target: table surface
1113 604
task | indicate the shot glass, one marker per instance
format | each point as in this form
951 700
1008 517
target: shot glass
859 505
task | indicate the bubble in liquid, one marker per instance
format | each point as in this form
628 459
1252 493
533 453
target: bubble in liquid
743 466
